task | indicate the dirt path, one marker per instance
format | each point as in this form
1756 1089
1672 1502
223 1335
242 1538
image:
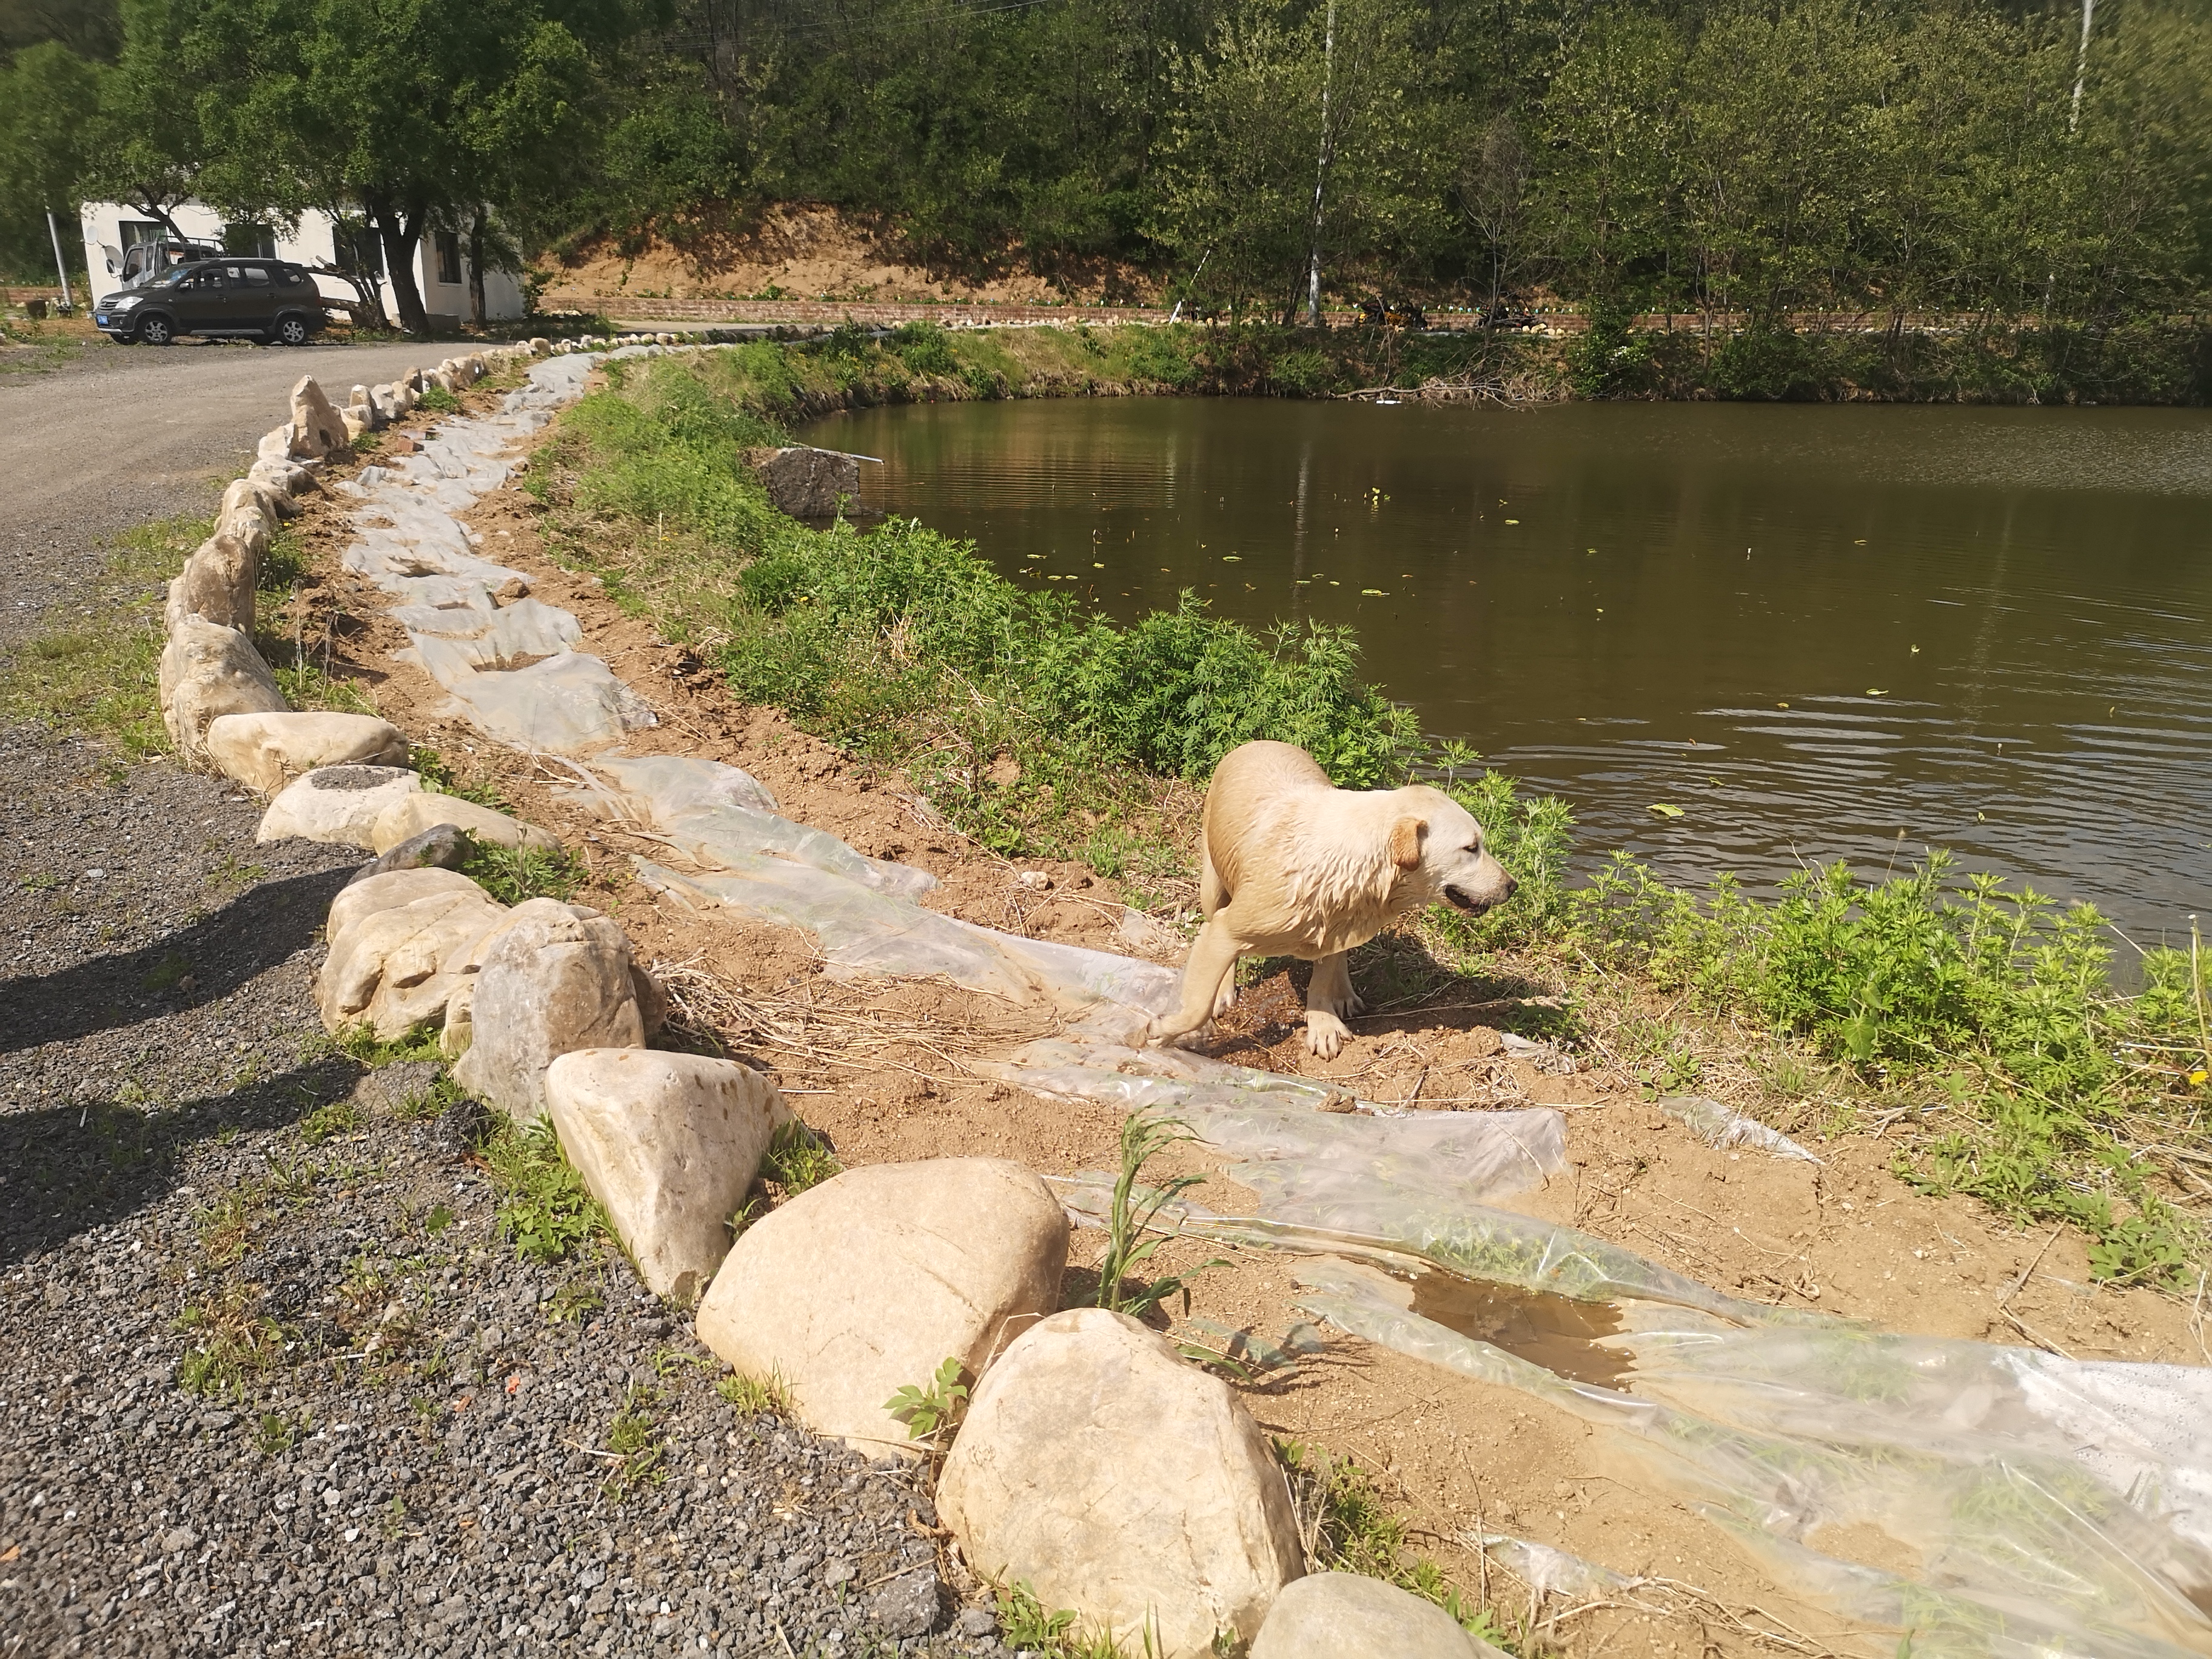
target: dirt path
119 434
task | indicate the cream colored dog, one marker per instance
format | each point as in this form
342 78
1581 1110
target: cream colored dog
1295 867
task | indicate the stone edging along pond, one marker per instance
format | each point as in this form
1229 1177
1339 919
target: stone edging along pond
1094 1464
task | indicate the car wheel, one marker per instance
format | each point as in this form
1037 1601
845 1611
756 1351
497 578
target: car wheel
157 330
291 331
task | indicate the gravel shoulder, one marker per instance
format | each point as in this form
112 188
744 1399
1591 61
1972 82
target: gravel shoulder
117 435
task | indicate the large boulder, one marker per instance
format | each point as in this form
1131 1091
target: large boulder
441 847
339 804
554 981
266 751
216 584
393 966
316 431
871 1281
208 671
387 890
1340 1615
807 483
410 815
669 1143
244 515
1112 1477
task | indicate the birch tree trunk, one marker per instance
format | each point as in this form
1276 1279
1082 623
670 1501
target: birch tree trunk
1321 172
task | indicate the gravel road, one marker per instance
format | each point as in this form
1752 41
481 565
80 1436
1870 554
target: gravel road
271 1380
124 434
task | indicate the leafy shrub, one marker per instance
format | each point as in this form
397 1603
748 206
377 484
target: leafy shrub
1305 373
924 349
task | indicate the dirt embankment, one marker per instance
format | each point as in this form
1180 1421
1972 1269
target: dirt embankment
884 1071
810 251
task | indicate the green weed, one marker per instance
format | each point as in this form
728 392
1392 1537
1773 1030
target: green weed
307 685
1993 1009
755 1396
438 777
1354 1532
338 1117
932 1410
284 565
636 1445
544 1208
797 1158
1135 1209
1025 1626
515 874
361 1042
232 1341
438 401
167 972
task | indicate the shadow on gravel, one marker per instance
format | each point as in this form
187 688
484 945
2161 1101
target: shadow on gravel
202 961
70 1167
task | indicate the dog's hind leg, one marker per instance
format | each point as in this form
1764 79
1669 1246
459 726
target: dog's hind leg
1209 972
1211 894
1329 999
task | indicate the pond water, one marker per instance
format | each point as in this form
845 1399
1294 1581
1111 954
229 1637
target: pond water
1819 632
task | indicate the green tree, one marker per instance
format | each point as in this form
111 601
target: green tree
49 98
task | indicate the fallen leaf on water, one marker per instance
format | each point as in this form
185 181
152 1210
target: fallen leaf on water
1513 521
1665 810
1374 593
1873 691
1226 558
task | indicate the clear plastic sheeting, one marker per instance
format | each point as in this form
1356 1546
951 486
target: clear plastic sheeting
1719 1126
564 705
1549 1571
652 788
2027 1546
2143 1429
511 669
864 930
1261 1116
727 837
721 818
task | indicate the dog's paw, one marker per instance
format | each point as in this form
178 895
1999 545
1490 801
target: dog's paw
1325 1033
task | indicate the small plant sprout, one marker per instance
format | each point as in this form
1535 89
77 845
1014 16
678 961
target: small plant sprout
797 1158
755 1396
1136 1210
929 1409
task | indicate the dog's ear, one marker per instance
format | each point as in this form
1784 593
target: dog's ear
1406 841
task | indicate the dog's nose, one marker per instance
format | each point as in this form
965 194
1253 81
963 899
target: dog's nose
1511 888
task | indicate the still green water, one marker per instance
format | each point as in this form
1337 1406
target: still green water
1820 632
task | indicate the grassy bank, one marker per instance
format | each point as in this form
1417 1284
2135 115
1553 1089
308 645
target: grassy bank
2139 363
1983 1024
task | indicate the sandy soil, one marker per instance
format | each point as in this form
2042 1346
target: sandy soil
810 250
883 1070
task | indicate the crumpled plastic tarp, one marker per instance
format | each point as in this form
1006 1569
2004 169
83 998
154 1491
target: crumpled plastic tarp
2029 1547
1720 1126
1265 1117
412 546
863 930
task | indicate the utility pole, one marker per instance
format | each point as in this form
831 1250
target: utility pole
2081 66
61 266
1320 173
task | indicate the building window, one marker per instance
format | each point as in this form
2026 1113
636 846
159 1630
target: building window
449 258
357 247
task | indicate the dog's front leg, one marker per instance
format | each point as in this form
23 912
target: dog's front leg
1329 999
1210 968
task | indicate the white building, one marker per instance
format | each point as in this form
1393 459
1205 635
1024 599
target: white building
442 262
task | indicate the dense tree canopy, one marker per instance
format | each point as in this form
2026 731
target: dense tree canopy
1755 159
